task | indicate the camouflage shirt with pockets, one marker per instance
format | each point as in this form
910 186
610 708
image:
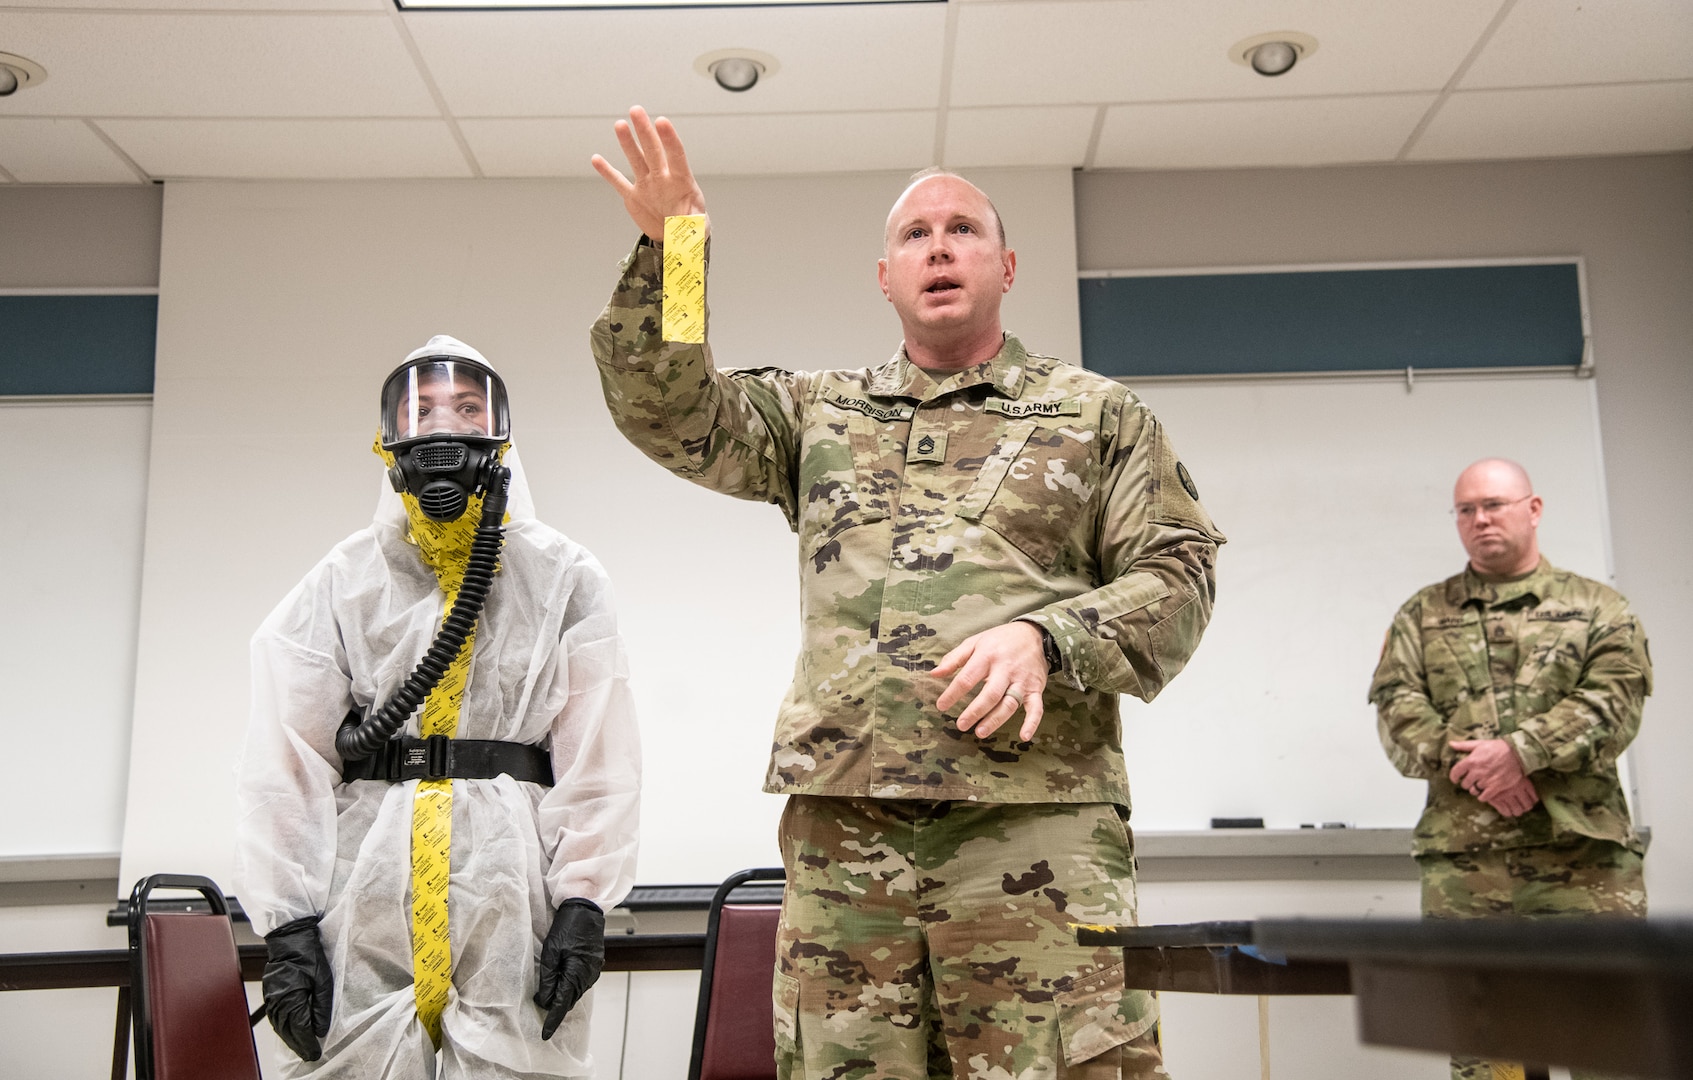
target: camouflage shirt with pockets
1552 662
929 508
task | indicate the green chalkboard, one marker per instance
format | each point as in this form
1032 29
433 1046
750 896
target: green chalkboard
51 345
1257 323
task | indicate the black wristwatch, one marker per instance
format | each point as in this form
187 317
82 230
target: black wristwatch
1049 649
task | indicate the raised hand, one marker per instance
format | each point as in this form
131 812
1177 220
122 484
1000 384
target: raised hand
660 183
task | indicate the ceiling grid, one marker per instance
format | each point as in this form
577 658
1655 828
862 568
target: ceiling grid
117 151
328 89
435 93
1457 77
948 46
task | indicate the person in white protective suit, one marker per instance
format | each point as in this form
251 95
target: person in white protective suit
435 904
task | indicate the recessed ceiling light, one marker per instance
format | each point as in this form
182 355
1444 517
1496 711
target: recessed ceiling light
16 73
737 70
1274 53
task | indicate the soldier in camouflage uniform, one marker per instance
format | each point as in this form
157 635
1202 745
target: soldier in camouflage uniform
1512 688
969 514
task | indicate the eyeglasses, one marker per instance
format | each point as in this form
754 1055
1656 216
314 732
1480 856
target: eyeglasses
1490 507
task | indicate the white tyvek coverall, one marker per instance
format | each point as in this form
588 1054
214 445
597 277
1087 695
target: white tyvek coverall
548 667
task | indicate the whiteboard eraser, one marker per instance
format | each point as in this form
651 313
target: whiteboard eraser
1237 823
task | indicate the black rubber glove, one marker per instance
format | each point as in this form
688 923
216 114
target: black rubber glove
571 959
298 987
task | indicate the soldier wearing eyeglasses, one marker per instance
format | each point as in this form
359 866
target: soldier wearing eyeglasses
1512 688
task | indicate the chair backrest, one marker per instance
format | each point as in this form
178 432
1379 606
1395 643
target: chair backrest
733 1034
190 1007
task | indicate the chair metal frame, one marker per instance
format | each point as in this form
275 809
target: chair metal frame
134 1009
708 964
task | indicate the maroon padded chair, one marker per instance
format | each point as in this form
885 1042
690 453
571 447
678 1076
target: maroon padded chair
733 1037
189 1004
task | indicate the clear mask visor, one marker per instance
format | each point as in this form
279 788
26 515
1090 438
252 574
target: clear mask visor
440 396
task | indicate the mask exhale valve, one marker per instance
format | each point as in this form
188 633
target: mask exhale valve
360 737
442 475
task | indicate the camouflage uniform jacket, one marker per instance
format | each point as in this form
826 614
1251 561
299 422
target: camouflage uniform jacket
1552 662
928 510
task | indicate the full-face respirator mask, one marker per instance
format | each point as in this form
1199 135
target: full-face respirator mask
445 421
444 418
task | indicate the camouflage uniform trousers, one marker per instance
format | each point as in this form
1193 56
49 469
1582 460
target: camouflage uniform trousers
935 941
1588 877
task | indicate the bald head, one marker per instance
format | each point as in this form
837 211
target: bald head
989 211
1501 473
1498 517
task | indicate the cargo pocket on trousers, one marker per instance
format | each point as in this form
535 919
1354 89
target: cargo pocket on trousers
785 1017
1097 1014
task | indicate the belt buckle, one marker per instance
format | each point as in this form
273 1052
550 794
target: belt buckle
420 759
391 760
427 759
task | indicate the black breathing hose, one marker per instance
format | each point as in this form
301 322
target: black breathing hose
358 739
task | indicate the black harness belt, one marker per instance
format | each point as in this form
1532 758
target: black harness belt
441 758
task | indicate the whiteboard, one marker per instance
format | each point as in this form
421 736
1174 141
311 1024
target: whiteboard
1334 496
75 492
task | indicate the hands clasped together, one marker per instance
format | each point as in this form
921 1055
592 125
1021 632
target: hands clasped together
1493 773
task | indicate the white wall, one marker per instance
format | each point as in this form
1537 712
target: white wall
80 237
1631 219
282 307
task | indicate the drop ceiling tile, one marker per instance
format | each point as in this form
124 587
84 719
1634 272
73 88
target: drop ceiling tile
215 64
1101 51
716 145
1565 42
542 146
1239 134
1561 122
598 63
992 138
53 151
807 143
290 149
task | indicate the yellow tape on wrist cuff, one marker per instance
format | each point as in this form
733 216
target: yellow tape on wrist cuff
684 279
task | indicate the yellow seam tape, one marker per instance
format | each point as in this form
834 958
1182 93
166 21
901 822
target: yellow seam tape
431 846
432 958
1508 1071
445 547
684 279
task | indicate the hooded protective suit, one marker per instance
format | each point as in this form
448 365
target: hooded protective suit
547 668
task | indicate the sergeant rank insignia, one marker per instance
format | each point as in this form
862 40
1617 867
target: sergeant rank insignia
928 448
